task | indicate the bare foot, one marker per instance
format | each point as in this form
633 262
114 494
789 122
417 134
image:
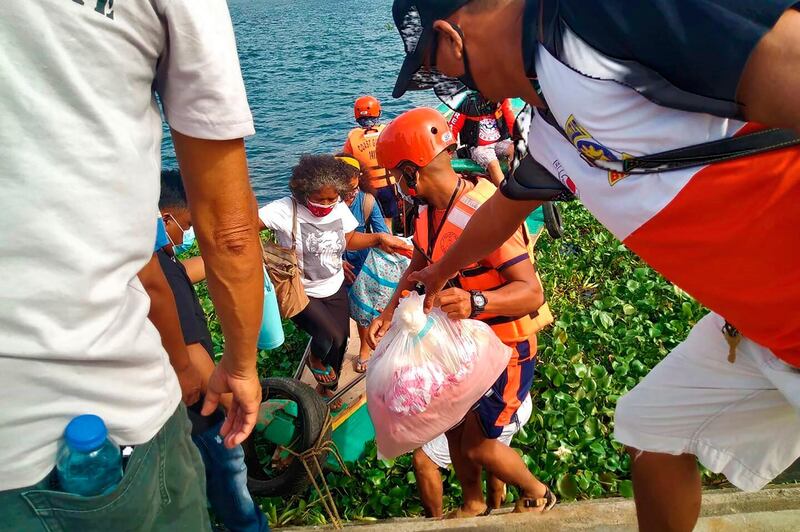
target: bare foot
468 510
327 394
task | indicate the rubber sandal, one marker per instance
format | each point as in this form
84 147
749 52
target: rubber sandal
360 366
324 373
544 504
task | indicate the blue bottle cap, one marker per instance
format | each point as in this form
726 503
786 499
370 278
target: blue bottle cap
85 433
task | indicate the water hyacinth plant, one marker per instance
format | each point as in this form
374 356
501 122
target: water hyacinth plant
615 319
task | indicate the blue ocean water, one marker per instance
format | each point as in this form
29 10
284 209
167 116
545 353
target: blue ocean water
304 62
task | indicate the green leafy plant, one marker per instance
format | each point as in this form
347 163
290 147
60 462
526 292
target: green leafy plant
615 319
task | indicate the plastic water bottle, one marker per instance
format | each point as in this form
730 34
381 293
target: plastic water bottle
88 462
271 334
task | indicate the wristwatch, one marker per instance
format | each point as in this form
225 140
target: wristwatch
478 303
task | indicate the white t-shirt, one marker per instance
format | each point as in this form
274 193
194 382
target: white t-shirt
320 242
79 173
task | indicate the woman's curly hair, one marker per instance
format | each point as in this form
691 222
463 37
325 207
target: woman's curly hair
314 172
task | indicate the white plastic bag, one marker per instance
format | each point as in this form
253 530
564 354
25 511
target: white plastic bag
426 374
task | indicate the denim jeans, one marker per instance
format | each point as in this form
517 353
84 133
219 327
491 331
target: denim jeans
161 490
226 484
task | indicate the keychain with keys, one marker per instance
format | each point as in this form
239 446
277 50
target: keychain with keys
733 338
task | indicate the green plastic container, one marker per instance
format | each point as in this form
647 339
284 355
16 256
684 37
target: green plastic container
279 424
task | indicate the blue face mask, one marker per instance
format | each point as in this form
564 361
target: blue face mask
188 242
188 238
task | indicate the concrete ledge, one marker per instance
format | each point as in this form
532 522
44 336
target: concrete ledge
775 508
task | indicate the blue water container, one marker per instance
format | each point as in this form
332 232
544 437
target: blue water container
271 334
88 463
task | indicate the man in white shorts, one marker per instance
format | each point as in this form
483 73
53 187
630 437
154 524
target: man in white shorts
696 402
435 455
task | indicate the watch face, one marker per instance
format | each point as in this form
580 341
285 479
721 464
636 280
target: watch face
480 300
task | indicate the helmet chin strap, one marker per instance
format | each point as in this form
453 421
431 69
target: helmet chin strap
410 173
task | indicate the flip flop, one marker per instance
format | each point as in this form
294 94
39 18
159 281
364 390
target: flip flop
541 505
360 366
317 373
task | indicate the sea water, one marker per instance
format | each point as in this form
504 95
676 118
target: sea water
304 63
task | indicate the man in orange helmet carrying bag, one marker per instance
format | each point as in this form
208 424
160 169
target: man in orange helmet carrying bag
361 145
502 290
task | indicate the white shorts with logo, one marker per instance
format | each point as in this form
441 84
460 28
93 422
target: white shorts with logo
484 155
439 452
739 419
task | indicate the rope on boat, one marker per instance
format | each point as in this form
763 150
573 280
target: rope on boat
310 459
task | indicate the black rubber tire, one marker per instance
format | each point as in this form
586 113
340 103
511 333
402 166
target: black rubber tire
552 220
312 412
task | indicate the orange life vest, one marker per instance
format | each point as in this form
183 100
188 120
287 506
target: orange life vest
510 329
362 146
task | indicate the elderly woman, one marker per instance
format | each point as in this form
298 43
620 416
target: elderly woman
325 229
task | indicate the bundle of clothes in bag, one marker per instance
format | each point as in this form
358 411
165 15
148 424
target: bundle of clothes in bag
426 373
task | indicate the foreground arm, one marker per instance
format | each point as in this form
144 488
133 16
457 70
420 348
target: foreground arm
770 84
487 230
387 242
225 217
164 316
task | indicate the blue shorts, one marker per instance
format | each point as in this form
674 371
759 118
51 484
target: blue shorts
388 201
499 405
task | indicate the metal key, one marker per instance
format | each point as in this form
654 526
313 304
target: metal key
733 338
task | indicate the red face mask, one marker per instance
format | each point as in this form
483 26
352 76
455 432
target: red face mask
320 211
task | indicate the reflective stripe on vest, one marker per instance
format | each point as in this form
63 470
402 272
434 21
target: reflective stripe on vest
477 277
362 143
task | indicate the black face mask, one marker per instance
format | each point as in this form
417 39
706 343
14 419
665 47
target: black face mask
410 177
465 78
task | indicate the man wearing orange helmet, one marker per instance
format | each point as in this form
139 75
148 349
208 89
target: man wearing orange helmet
502 290
361 145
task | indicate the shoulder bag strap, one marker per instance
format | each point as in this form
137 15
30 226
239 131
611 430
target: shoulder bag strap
715 151
294 223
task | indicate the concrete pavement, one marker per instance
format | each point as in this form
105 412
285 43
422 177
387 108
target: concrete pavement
774 509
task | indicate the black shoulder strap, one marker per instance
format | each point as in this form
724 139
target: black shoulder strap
695 155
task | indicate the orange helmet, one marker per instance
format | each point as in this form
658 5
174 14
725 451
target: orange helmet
367 107
416 136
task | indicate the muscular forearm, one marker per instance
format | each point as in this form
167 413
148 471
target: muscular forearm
487 230
225 216
517 298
